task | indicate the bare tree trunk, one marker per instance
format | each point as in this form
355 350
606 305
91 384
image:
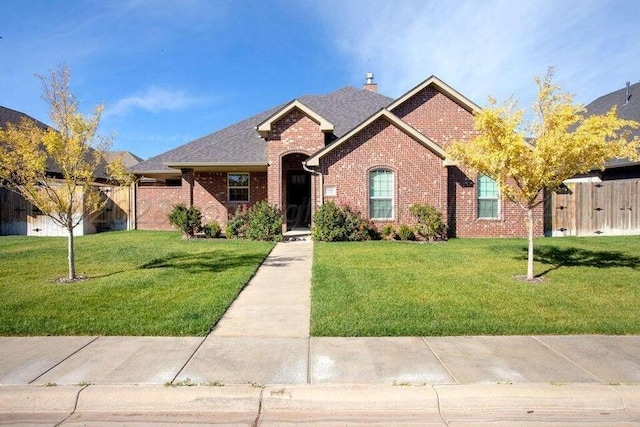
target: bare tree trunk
530 255
72 260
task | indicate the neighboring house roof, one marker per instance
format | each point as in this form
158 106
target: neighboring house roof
7 115
314 160
128 158
14 117
241 144
628 109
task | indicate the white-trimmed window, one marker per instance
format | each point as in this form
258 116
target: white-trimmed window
381 194
488 198
238 187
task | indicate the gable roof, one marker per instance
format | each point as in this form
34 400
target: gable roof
441 86
314 160
627 109
240 143
264 128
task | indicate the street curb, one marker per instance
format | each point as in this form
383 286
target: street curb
455 404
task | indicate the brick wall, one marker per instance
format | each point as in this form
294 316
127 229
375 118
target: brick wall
211 197
153 204
418 173
436 116
463 218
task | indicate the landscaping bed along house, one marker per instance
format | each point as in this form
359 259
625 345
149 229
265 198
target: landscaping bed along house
138 283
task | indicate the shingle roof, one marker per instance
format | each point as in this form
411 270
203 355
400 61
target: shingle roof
241 143
14 117
128 158
7 115
626 110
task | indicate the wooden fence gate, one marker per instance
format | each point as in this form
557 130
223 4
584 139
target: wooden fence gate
609 208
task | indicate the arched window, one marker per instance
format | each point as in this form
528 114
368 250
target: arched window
381 194
488 198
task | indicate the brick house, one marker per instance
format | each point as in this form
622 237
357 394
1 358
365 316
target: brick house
354 146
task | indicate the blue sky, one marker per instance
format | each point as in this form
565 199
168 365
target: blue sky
171 71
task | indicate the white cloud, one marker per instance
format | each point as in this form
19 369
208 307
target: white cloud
155 100
492 47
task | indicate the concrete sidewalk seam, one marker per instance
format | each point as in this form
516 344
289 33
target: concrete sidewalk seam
75 406
189 359
567 358
440 361
64 360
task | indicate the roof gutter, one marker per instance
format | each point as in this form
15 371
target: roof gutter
179 165
152 171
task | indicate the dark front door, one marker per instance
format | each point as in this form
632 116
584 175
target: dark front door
298 199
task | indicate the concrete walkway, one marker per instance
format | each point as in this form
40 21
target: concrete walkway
277 300
260 367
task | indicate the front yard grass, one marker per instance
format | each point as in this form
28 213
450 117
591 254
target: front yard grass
467 287
141 283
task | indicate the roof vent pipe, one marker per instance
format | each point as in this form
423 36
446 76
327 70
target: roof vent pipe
369 84
626 98
369 77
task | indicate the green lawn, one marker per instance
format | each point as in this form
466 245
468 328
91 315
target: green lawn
467 287
141 283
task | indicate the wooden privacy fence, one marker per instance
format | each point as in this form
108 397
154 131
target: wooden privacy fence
116 213
18 217
609 208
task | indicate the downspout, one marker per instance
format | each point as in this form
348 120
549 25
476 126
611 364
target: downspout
133 221
319 174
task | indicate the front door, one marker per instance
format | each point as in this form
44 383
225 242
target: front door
298 199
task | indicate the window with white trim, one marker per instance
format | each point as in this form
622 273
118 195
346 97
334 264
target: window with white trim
381 194
488 198
238 187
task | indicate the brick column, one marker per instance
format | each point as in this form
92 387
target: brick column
187 185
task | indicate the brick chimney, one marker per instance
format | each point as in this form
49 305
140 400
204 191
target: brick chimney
369 84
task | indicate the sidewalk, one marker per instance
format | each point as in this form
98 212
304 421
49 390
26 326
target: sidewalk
260 367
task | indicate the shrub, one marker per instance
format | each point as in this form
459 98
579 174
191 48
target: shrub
430 222
238 224
357 227
187 220
212 229
329 223
405 233
333 223
388 232
265 222
262 222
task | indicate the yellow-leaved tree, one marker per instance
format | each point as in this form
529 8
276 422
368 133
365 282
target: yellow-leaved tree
560 143
56 169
